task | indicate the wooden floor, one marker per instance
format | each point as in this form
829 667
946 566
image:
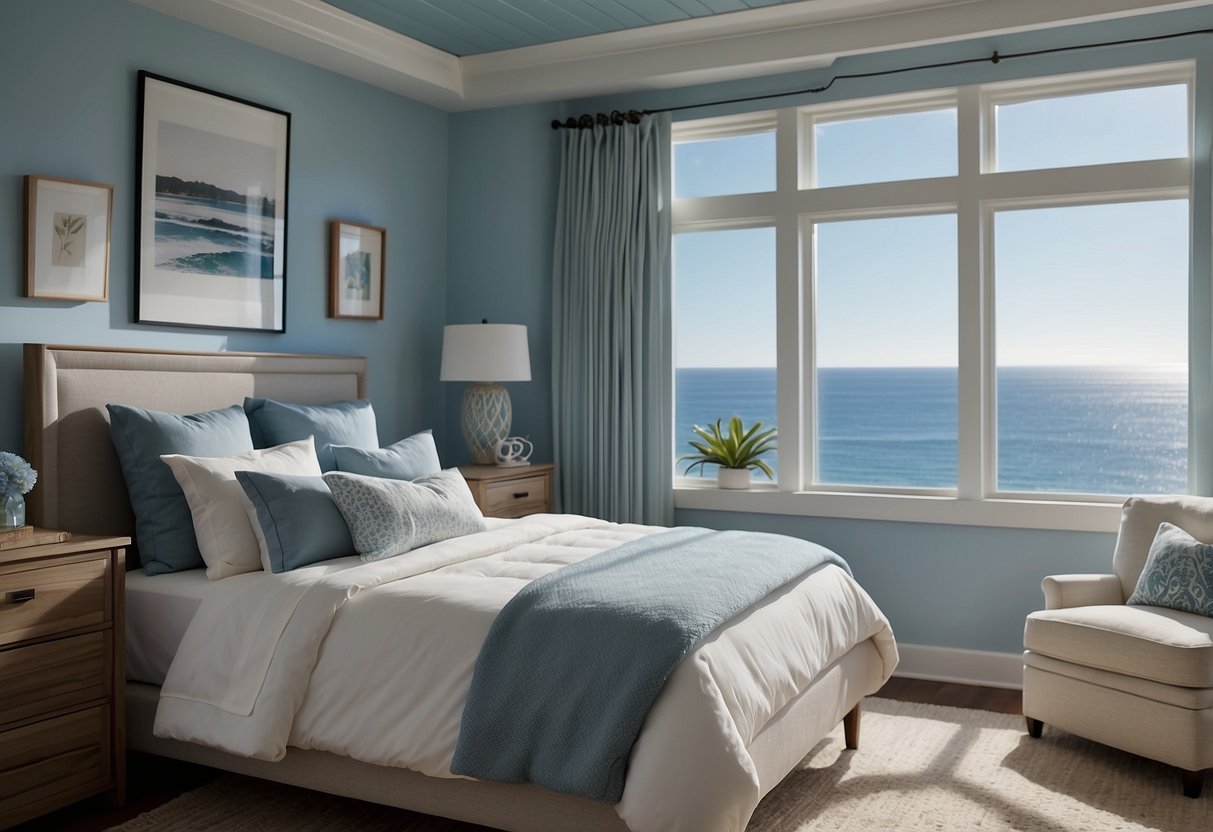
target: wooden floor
154 781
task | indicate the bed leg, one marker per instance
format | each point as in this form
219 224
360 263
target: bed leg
1035 727
850 727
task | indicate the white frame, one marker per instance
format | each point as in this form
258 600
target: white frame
975 193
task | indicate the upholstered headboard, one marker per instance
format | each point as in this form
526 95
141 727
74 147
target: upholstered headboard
80 486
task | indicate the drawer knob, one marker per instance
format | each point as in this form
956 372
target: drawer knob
20 596
518 495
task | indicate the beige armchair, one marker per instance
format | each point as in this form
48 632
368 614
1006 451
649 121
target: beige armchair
1136 678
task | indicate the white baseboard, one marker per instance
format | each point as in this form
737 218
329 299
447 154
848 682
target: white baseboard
954 664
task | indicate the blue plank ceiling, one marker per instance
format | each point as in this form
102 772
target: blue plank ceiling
471 27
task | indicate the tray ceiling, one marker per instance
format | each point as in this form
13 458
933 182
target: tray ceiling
473 27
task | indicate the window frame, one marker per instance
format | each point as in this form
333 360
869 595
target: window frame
974 194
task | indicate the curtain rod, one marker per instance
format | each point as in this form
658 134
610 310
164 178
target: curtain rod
633 116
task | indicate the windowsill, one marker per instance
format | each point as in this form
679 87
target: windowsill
905 508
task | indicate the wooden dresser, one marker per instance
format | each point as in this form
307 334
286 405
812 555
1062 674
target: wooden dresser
62 708
510 492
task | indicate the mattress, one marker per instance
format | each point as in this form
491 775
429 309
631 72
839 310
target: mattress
159 609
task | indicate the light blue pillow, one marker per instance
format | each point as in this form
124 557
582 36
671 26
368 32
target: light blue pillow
391 517
410 458
1178 573
337 423
164 527
297 518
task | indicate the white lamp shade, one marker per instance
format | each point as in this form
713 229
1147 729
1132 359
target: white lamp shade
485 352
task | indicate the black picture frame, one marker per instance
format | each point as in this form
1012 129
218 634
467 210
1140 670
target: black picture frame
212 191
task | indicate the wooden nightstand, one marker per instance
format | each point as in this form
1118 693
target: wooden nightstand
62 705
510 492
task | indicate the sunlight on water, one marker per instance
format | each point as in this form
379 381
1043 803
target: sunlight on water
1103 430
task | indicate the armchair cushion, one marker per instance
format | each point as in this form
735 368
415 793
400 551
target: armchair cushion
1063 591
1139 522
1163 645
1178 573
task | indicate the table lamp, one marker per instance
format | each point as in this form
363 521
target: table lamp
485 354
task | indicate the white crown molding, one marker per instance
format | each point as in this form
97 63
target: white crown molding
320 34
762 41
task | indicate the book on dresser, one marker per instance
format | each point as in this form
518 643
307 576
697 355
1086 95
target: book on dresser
62 708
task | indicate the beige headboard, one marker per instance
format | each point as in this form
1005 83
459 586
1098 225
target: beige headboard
80 486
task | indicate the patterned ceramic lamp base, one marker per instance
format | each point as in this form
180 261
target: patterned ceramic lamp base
485 420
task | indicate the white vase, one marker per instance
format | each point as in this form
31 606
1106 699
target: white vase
733 478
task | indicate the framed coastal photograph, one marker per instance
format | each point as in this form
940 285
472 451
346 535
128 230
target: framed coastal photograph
67 238
211 229
356 257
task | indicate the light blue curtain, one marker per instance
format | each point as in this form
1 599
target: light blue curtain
612 373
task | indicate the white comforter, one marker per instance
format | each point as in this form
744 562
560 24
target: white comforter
374 661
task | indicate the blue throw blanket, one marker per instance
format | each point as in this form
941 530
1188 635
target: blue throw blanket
573 662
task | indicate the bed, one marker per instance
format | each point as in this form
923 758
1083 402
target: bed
81 489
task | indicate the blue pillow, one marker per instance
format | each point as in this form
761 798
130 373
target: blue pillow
337 423
298 521
410 458
164 527
1178 573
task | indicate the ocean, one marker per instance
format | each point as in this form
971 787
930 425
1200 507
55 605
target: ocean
1099 430
206 236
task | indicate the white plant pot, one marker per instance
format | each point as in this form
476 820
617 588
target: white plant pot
733 478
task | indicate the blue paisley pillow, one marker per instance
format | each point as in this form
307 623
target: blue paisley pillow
391 517
1178 573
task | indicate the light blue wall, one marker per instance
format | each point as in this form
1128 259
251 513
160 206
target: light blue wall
504 168
68 108
957 586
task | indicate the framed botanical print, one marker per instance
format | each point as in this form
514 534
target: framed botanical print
212 196
67 238
356 258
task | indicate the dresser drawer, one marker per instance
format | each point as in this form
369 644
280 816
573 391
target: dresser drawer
66 756
40 600
514 498
54 675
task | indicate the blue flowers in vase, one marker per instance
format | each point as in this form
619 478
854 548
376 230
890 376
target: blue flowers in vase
17 478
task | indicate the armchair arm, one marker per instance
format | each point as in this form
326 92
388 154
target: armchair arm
1064 591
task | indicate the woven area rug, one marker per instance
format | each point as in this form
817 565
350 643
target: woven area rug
919 767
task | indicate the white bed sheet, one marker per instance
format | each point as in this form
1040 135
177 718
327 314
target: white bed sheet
159 609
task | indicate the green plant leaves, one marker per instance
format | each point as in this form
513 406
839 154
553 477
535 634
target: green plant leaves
734 447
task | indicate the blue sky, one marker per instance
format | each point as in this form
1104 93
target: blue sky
1102 284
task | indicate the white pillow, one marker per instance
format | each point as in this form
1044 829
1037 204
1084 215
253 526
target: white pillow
216 500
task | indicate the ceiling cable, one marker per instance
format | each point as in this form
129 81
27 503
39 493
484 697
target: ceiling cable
633 116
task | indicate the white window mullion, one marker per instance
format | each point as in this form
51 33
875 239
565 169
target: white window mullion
970 423
790 398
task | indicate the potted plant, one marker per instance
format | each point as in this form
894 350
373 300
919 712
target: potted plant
736 451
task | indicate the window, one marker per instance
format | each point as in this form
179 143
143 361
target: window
884 148
715 158
1092 348
886 368
724 349
969 303
1092 128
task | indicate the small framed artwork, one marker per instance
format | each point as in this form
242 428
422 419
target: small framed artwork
67 238
356 258
212 197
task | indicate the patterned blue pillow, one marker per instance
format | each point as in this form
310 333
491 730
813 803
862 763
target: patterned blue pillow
391 517
1178 573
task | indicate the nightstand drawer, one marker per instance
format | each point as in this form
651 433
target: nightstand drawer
68 755
53 598
514 498
54 675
